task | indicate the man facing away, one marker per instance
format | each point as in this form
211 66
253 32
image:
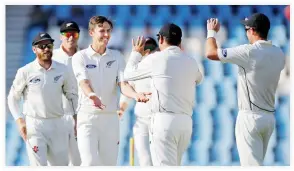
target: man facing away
142 111
260 64
174 77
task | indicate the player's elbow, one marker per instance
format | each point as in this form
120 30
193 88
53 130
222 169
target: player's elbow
211 54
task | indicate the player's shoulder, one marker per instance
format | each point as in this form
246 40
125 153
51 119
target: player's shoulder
80 54
114 53
59 64
28 67
57 50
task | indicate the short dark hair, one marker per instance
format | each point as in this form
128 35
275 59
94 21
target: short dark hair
173 41
261 32
98 20
150 44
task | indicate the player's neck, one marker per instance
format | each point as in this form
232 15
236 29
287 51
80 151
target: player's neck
46 64
257 38
99 49
69 51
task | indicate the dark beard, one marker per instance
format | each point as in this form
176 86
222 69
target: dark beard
45 57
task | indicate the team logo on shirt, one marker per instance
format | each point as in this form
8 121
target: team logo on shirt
90 66
35 149
224 52
109 63
35 80
57 78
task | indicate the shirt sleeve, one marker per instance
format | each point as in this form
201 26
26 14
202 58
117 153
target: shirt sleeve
199 75
70 92
136 70
79 68
121 68
15 94
124 99
237 55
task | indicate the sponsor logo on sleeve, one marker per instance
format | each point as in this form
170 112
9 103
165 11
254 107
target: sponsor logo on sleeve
35 80
224 52
78 75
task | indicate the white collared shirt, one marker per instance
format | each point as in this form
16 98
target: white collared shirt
173 75
41 90
104 72
260 65
61 56
143 85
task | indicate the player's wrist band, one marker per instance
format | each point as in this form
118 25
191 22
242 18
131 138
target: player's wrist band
91 94
211 33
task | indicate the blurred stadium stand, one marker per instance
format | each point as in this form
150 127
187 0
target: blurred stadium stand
212 141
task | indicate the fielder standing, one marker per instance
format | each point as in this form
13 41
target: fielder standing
69 35
142 111
99 72
260 64
174 77
42 83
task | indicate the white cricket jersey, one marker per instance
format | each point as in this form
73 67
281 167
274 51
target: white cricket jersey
260 65
141 109
62 57
174 77
104 72
41 90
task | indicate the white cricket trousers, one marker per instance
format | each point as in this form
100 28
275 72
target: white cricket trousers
47 140
170 137
142 141
98 138
253 131
74 154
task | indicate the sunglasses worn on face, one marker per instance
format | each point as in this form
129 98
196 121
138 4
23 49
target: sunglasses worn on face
246 29
68 34
49 46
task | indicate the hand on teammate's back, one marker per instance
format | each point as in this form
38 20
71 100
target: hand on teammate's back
213 24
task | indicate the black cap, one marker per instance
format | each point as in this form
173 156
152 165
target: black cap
258 21
69 26
150 44
171 30
41 37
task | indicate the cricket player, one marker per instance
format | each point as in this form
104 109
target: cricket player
142 112
69 36
42 83
99 71
174 77
260 64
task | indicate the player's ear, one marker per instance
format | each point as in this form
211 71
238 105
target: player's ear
34 49
161 39
91 32
146 52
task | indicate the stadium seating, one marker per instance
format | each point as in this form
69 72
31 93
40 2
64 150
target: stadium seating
213 139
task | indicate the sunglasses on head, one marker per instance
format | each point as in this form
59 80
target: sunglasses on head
44 46
68 34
